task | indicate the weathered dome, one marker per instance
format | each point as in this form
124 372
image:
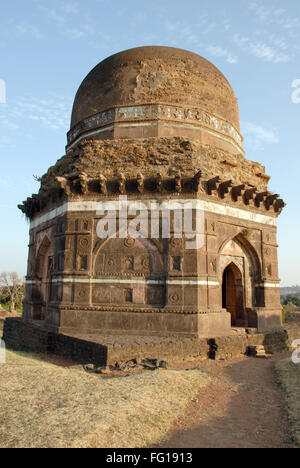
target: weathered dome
155 75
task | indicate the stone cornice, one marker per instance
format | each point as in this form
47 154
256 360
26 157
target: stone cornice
75 187
149 310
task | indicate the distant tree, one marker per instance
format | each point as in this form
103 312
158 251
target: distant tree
12 290
291 299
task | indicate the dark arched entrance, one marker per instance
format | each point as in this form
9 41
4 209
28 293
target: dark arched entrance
232 295
44 273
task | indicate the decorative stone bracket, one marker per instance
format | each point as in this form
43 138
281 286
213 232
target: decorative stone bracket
79 184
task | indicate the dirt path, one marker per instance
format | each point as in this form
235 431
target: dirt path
242 408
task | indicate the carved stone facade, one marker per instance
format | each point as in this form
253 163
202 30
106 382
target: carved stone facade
78 282
162 116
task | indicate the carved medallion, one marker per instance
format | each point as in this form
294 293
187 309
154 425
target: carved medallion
146 263
84 242
176 243
82 293
129 242
174 297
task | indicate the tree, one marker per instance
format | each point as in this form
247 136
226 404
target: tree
12 289
291 299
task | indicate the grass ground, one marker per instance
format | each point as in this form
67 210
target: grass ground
44 405
6 308
293 316
289 378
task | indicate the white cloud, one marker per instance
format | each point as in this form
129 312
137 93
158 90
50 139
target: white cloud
261 12
189 36
274 15
78 33
181 34
181 30
268 53
290 23
218 51
6 142
6 122
256 135
24 27
52 112
278 42
279 12
261 50
227 24
172 25
51 14
64 21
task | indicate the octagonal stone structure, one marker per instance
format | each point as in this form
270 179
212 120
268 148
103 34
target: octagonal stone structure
154 125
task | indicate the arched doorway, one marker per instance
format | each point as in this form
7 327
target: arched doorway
50 267
44 273
233 295
243 255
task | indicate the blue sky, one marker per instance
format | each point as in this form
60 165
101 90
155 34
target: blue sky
48 47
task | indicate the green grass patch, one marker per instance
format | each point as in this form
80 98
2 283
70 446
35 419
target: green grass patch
6 307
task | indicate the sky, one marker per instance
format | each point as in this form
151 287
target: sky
48 47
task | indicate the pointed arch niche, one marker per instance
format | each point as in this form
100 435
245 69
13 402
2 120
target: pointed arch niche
240 276
233 294
129 273
43 272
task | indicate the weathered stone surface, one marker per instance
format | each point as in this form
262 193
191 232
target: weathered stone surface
149 155
128 351
155 74
153 124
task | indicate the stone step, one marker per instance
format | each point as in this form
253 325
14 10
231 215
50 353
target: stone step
258 352
263 356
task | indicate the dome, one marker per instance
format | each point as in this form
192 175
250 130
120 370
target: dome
139 84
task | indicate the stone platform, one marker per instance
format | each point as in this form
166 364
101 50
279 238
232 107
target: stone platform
106 350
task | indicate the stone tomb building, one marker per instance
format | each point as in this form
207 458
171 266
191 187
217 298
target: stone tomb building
154 124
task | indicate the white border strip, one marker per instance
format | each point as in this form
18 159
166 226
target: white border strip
88 134
217 134
193 282
269 285
130 281
179 282
207 206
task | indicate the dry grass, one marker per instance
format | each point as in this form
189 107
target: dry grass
43 405
289 378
